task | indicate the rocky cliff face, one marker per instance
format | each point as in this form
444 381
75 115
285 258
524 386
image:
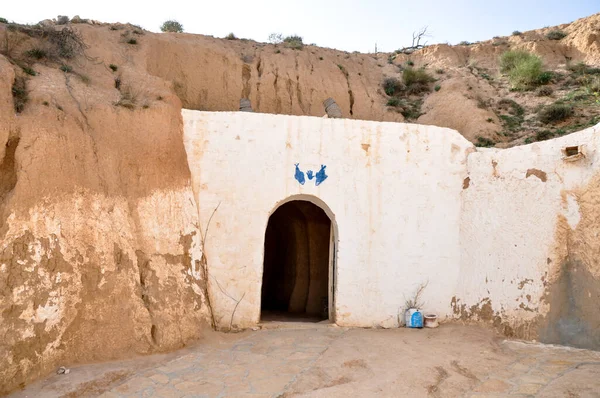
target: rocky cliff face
469 93
213 74
98 225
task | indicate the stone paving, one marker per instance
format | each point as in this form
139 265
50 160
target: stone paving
544 372
321 361
257 366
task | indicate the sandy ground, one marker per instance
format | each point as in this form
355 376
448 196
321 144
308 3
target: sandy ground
325 361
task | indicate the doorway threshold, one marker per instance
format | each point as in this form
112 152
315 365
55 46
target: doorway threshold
295 324
285 320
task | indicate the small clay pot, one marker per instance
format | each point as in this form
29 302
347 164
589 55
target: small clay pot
431 321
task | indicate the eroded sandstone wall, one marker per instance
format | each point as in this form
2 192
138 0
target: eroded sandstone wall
99 245
213 74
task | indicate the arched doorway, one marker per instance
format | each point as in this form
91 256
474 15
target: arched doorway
298 261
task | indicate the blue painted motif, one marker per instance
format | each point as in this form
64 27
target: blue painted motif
320 176
299 175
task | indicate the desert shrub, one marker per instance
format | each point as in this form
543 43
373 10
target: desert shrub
464 43
439 71
29 71
516 114
511 123
128 98
510 59
581 68
125 103
593 85
3 20
19 93
67 42
231 36
78 19
294 42
62 20
523 68
555 113
66 68
391 85
544 91
545 77
512 106
484 142
578 68
36 53
516 33
171 26
437 87
393 102
556 35
543 135
410 63
132 41
412 110
415 76
481 102
113 67
275 38
416 80
293 38
84 78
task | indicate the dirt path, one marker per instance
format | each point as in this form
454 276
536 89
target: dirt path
450 361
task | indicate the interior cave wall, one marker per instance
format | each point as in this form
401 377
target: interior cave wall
296 265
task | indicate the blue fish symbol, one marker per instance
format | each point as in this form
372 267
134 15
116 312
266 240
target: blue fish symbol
320 176
299 175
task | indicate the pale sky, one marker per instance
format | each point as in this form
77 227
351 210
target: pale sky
350 25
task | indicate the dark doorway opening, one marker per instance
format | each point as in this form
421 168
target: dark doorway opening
296 263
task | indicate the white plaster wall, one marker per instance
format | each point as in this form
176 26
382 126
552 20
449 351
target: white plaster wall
509 221
393 189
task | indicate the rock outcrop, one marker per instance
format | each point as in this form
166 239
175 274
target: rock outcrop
99 236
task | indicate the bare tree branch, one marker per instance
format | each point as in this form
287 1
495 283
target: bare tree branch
204 265
416 41
234 309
